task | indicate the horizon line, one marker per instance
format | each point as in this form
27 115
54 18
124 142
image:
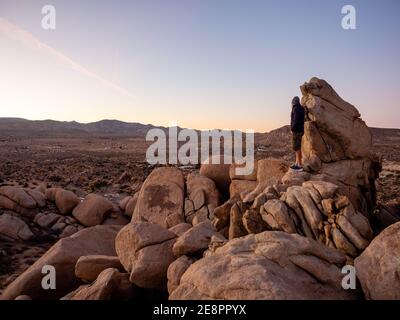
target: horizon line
165 127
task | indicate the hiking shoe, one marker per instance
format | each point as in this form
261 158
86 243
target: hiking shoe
295 167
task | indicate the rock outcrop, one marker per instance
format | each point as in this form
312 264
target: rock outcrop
202 198
88 268
111 284
378 267
195 239
269 265
176 270
337 143
161 198
145 251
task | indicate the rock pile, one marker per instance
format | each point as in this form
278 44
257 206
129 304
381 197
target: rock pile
29 215
20 200
63 256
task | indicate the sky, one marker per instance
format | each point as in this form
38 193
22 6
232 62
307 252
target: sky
201 63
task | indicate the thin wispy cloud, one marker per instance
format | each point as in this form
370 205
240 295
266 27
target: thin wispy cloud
29 41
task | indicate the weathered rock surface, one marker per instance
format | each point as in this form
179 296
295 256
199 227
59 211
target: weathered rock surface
253 222
271 170
88 268
63 256
46 220
318 211
116 218
93 210
338 143
195 239
236 227
110 284
175 271
181 228
269 265
161 198
378 267
23 201
234 176
65 201
241 187
202 198
14 228
145 251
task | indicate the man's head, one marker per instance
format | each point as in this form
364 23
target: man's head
296 100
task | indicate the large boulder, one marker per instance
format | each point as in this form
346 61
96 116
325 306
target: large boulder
241 187
93 210
271 170
46 220
161 198
202 197
14 228
88 268
65 201
378 267
335 119
195 183
195 239
268 265
63 256
176 270
234 176
19 196
337 143
111 284
145 251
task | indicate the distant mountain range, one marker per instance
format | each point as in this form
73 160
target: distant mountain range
18 127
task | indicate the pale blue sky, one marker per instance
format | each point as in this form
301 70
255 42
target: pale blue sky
203 63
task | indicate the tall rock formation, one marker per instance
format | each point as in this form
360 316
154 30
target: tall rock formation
337 144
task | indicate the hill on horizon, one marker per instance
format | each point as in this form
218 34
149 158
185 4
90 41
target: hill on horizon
20 128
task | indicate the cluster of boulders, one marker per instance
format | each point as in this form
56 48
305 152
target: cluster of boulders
272 234
30 214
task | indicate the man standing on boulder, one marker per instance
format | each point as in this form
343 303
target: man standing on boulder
297 128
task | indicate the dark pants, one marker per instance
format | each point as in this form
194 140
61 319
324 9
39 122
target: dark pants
296 140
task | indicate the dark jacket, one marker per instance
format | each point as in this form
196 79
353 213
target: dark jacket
297 118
